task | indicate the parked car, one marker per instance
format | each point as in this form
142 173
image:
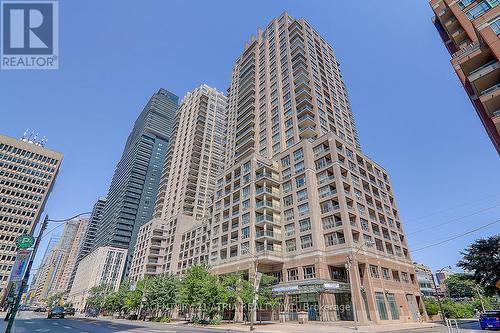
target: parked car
490 319
56 311
40 309
70 311
91 313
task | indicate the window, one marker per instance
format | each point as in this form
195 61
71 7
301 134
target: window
288 214
246 191
464 3
334 238
304 225
293 274
245 204
309 272
330 222
299 167
479 9
382 310
245 233
245 218
393 306
291 245
495 25
288 200
385 273
303 209
289 229
306 241
285 161
300 181
298 154
374 272
287 187
302 195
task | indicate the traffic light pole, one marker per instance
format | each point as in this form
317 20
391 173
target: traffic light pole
24 282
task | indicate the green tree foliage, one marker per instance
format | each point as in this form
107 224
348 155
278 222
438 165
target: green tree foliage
266 297
97 296
203 292
55 300
460 286
132 300
482 259
161 292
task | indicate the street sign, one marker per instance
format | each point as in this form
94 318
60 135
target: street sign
25 241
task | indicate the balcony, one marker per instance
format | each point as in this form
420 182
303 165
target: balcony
268 250
304 92
268 191
307 132
265 176
466 51
306 120
265 205
305 110
485 75
496 119
268 234
244 144
266 218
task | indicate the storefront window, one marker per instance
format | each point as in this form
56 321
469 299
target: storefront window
393 306
382 310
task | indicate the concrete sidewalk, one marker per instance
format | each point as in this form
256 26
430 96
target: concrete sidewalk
338 327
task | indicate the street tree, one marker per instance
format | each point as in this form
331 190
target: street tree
482 259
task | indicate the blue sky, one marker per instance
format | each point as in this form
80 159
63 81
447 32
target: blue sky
412 115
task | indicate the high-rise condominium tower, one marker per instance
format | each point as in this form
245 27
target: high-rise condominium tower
27 173
298 195
469 29
91 231
133 190
194 159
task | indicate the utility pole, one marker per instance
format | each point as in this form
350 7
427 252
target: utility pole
437 295
24 282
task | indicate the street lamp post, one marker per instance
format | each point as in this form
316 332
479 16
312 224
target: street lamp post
349 265
255 289
437 295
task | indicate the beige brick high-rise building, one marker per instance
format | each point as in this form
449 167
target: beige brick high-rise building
59 263
27 174
299 196
470 29
194 159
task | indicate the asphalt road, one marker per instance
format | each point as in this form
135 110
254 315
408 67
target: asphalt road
30 322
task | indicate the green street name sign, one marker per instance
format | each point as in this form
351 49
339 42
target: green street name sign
25 241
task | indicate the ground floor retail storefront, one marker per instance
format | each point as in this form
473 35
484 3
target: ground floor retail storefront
321 300
324 300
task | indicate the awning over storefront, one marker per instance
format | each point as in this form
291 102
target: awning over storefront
311 286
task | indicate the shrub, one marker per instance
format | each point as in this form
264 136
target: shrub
432 306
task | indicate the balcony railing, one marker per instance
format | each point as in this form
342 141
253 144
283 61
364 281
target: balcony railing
490 89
